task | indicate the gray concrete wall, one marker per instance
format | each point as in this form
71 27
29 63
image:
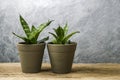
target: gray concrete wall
98 21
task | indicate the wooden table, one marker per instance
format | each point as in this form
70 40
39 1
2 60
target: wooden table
99 71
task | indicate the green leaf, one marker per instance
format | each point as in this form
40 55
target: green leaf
53 35
43 40
36 32
65 29
60 33
33 33
33 41
54 41
61 36
33 28
70 35
23 38
25 26
44 25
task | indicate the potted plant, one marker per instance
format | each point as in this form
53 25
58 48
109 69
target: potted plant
31 51
61 50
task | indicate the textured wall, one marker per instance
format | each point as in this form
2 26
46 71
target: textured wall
98 21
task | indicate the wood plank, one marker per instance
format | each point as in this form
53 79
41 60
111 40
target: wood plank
109 71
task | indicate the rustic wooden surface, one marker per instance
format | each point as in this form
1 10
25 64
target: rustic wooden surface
12 71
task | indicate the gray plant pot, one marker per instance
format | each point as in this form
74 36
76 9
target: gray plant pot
61 57
31 56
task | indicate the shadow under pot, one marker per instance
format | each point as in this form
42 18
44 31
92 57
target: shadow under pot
61 57
31 56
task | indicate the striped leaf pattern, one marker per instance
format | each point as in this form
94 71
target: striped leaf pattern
33 33
61 36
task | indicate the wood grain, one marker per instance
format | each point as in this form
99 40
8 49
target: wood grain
109 71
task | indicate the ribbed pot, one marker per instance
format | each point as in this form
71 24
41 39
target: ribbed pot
61 57
31 56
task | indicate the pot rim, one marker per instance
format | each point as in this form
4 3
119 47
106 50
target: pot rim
73 43
23 43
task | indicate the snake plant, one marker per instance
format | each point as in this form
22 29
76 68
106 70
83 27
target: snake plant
61 35
33 33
